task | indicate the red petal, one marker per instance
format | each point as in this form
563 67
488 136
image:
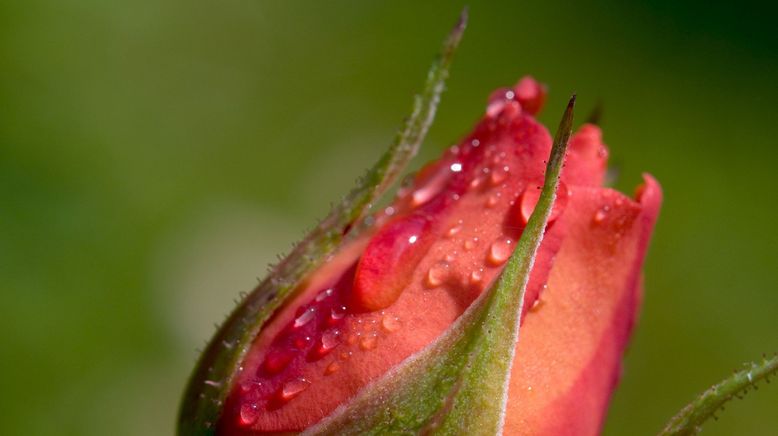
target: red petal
569 354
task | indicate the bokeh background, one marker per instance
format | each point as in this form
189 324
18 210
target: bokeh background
156 155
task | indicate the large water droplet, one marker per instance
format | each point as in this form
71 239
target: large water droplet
305 317
431 183
454 230
337 314
497 101
476 276
530 197
493 200
601 214
329 340
437 274
323 295
368 342
390 323
498 176
500 251
294 388
248 414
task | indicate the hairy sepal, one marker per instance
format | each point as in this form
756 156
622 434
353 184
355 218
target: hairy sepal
459 383
218 365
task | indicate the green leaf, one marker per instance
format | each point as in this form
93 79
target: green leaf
690 419
459 383
213 376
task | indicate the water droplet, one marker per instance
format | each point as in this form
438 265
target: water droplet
301 342
536 305
248 414
476 182
430 183
437 274
601 214
336 314
329 340
212 383
413 239
456 167
369 342
497 101
324 294
475 143
476 276
248 386
390 323
500 251
498 176
492 200
276 361
450 257
293 388
346 355
469 244
530 197
305 317
332 368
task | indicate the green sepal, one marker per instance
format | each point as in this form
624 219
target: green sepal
459 383
212 379
690 419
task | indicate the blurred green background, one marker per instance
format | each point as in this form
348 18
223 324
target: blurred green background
156 155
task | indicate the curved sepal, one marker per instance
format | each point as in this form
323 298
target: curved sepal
690 419
459 383
212 378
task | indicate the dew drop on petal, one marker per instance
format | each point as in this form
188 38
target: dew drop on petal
305 317
332 368
476 276
294 388
390 323
454 230
492 200
337 314
248 414
431 185
437 274
329 340
530 197
601 214
536 305
498 176
500 251
497 101
324 295
469 244
368 342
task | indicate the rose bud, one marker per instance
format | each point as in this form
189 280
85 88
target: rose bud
495 294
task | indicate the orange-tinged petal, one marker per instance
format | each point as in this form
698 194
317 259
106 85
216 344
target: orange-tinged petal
568 359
